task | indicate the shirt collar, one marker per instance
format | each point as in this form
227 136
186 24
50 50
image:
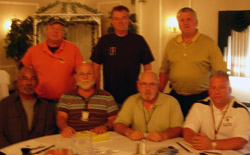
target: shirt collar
224 109
60 49
157 101
75 92
180 40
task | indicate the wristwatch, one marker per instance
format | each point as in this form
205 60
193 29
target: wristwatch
214 144
106 125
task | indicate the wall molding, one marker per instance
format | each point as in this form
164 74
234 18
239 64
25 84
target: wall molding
19 3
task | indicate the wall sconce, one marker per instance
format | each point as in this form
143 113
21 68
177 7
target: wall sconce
7 25
172 24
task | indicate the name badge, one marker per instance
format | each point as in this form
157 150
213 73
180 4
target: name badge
85 116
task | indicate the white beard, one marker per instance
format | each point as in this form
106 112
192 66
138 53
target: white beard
89 85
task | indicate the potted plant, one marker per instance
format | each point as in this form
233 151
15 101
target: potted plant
19 38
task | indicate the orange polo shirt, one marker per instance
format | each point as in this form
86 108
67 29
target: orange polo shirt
55 70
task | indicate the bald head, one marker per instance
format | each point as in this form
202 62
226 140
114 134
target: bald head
148 74
85 77
85 65
148 85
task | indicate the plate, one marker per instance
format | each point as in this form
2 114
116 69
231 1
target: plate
59 152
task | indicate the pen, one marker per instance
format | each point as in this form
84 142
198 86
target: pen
44 149
183 147
211 152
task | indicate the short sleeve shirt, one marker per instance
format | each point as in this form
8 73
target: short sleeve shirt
190 65
121 58
235 123
167 114
55 70
100 106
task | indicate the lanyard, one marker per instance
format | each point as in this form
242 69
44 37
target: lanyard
216 130
87 103
147 121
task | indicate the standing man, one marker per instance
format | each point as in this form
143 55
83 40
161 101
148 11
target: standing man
86 108
188 61
220 121
151 112
55 61
121 54
23 114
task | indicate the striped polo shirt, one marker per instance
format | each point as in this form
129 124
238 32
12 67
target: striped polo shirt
100 106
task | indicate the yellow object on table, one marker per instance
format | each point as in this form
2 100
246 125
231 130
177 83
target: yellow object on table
95 137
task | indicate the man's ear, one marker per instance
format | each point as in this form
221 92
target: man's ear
137 84
75 77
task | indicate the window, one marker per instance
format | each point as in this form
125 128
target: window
234 41
237 53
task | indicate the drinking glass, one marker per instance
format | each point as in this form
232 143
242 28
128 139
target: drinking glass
82 145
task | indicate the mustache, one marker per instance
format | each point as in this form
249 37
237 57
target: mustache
29 87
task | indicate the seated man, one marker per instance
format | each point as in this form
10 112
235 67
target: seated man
151 112
85 108
220 121
24 115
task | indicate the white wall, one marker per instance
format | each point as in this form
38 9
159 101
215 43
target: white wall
152 17
154 14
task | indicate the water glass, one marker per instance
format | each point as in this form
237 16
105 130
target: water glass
82 145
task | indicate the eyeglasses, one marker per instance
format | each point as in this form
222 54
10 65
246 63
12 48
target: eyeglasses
24 78
150 85
88 74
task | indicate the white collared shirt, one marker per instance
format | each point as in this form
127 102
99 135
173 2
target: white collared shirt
236 122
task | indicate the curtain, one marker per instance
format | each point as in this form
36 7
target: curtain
237 53
231 20
235 31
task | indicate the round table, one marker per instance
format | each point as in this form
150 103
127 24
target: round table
117 143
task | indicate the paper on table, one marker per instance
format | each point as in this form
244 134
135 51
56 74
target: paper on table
189 147
246 149
95 137
16 149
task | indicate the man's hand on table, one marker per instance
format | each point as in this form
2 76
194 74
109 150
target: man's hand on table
201 142
68 132
155 136
100 129
135 135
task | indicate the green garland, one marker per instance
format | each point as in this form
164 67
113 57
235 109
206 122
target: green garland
51 5
73 5
64 6
20 37
84 7
133 1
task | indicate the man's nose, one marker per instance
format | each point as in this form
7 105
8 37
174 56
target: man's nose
85 76
29 81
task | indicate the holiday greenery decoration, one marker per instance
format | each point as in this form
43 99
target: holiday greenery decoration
19 38
21 35
133 1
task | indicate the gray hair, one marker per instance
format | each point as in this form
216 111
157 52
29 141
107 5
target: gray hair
26 67
187 9
220 73
149 71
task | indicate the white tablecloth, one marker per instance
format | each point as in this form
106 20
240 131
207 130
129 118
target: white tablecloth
117 142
